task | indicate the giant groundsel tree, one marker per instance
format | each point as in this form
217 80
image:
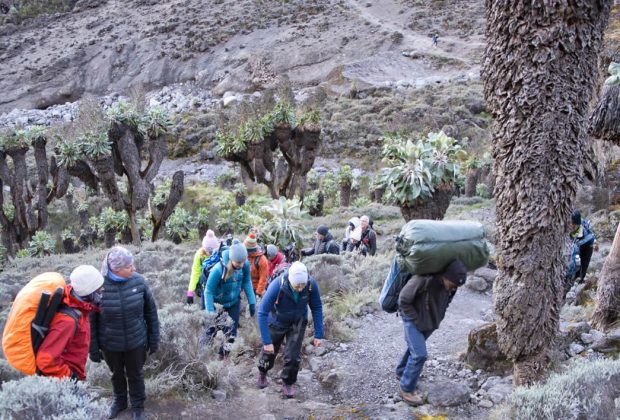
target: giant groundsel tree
538 73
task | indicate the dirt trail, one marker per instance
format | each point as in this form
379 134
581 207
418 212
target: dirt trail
367 386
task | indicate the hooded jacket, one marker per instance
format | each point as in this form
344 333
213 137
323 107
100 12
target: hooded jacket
258 274
275 262
194 277
227 292
128 317
64 350
280 309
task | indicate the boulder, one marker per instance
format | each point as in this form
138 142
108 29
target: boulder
476 283
609 343
499 392
483 351
448 394
486 273
218 395
329 379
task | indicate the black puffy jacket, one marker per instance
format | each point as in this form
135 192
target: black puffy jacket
128 317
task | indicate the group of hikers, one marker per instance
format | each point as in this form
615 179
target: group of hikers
117 318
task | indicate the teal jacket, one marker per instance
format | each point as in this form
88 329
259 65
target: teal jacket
228 292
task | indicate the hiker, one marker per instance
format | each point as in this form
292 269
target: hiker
210 243
290 253
324 243
354 223
259 265
422 305
435 39
369 237
224 287
355 244
64 350
126 329
275 258
283 314
584 238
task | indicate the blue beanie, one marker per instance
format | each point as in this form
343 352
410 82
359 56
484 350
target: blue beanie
576 217
238 252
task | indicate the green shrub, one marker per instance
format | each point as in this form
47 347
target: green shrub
416 168
39 397
284 222
42 244
184 364
482 190
345 175
179 224
361 201
586 390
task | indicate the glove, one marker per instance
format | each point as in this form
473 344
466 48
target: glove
190 298
252 309
95 356
152 348
74 376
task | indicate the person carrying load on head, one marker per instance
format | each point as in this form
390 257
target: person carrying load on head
423 302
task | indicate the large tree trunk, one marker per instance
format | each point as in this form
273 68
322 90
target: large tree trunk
539 72
471 182
433 208
133 227
608 292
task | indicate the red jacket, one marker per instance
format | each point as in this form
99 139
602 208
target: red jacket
275 262
65 349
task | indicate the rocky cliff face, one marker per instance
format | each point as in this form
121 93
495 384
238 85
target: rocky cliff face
114 46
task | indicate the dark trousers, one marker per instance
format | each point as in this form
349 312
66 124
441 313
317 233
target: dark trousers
585 254
126 367
234 312
294 336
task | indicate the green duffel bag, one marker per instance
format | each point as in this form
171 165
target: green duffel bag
428 246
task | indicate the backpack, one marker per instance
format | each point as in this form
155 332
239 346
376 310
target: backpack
278 271
31 313
290 254
394 283
207 266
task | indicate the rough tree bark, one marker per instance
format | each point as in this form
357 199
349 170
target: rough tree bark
433 208
539 71
607 309
30 197
160 215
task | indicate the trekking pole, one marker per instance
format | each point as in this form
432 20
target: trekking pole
39 329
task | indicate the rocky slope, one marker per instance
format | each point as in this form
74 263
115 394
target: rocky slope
110 46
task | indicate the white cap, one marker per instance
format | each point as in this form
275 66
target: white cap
297 273
85 279
357 234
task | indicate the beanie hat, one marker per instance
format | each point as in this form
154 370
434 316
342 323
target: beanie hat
116 259
576 217
297 273
456 272
272 251
355 221
210 240
250 241
85 279
322 230
357 234
237 252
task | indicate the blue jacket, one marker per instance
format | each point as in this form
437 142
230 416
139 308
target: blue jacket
227 292
287 312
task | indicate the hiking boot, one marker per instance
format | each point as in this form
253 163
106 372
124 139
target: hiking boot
262 380
411 398
138 414
116 408
288 391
